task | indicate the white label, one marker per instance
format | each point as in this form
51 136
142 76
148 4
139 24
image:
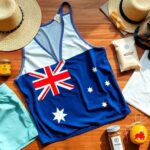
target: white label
57 18
117 144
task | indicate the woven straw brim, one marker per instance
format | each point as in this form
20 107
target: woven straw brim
113 5
26 32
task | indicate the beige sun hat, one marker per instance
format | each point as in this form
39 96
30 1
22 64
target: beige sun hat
128 14
19 23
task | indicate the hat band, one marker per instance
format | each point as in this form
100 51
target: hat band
12 30
125 17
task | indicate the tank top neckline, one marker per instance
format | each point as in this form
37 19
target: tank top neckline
61 14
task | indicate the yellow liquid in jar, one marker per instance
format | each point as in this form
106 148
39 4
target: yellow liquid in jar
5 69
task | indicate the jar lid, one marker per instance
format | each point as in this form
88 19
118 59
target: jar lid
114 128
4 61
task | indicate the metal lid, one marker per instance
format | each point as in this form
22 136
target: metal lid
114 128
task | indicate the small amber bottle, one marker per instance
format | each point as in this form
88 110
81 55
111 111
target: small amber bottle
115 138
5 67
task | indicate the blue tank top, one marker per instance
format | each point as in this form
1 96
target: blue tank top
68 84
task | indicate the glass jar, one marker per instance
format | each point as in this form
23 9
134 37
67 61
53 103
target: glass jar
115 138
5 67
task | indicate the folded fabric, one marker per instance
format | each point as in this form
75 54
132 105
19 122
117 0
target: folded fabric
16 126
137 90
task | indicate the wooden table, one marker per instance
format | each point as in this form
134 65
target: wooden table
95 27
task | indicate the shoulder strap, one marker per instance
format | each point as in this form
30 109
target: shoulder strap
76 42
61 11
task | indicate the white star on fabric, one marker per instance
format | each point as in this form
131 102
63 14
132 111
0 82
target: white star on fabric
90 89
94 69
59 115
107 83
104 104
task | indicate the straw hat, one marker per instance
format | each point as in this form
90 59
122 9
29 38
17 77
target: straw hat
128 14
19 23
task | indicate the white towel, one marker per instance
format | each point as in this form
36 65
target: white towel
137 90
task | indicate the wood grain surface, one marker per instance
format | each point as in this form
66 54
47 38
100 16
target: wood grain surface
95 27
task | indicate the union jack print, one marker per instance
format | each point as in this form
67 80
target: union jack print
50 80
